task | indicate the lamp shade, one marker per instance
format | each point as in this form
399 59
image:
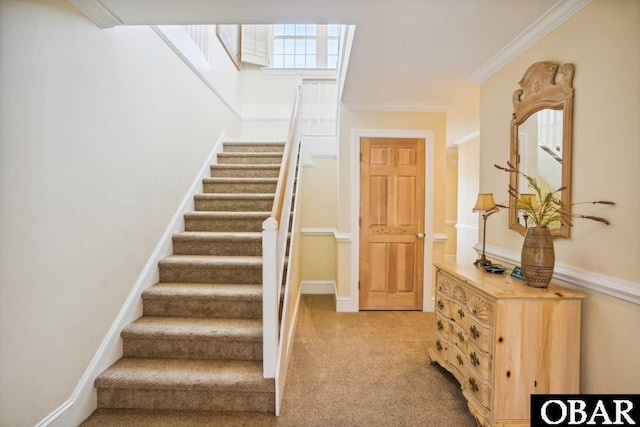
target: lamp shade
527 201
484 202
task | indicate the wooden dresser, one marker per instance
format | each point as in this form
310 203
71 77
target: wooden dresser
504 341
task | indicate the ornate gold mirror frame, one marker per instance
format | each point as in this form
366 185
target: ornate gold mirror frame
541 136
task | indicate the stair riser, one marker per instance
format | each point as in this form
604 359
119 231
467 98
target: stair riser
193 349
209 274
233 205
218 247
244 173
224 224
234 188
243 159
253 148
218 309
194 400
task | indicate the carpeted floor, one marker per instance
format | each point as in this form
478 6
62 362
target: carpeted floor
347 369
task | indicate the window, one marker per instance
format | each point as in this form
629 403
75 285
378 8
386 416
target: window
300 46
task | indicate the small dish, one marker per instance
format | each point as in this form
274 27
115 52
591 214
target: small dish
495 268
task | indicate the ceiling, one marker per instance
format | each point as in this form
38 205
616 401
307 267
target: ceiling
406 54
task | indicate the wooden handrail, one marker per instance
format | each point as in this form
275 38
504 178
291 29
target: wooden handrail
276 210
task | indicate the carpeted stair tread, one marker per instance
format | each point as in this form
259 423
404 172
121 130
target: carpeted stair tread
217 235
210 260
224 214
204 291
186 374
193 328
235 196
239 180
245 170
254 146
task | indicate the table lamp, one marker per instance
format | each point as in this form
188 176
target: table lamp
487 205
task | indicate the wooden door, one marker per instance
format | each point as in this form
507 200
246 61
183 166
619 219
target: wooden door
391 223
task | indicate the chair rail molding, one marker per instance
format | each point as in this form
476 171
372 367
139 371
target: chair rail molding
612 286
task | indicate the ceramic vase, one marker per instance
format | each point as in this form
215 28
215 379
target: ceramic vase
537 257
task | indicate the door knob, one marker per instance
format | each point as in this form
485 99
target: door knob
420 235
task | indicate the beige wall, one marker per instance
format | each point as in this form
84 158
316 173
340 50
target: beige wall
350 120
603 42
467 222
318 212
101 135
451 209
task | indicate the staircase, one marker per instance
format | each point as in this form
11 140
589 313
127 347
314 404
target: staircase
198 345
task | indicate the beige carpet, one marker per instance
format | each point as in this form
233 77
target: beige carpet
347 369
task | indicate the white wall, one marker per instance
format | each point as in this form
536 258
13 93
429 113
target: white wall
467 222
101 134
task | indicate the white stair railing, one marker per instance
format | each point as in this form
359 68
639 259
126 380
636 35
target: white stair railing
275 231
319 106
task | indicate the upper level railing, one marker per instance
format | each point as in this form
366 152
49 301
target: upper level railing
319 106
275 231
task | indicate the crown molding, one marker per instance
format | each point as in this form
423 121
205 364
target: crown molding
397 106
467 138
555 16
97 12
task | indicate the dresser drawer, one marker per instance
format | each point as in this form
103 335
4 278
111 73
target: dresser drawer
458 337
458 361
479 306
479 337
477 388
480 363
443 305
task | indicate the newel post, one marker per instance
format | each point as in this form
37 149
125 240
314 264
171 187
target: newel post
269 296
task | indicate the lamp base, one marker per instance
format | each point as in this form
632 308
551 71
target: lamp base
482 261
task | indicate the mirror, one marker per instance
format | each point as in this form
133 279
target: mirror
541 133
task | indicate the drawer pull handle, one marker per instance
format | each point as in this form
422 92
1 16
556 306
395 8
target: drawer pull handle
473 385
474 358
460 336
439 345
440 325
461 313
440 304
460 361
475 334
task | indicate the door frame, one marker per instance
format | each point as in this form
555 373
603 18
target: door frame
427 136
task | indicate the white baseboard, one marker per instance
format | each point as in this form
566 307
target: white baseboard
346 305
83 399
612 286
318 287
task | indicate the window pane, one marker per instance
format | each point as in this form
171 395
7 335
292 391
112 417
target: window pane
289 30
332 61
278 46
289 45
311 47
311 61
278 61
299 61
332 47
311 30
300 29
288 61
332 30
278 30
300 43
